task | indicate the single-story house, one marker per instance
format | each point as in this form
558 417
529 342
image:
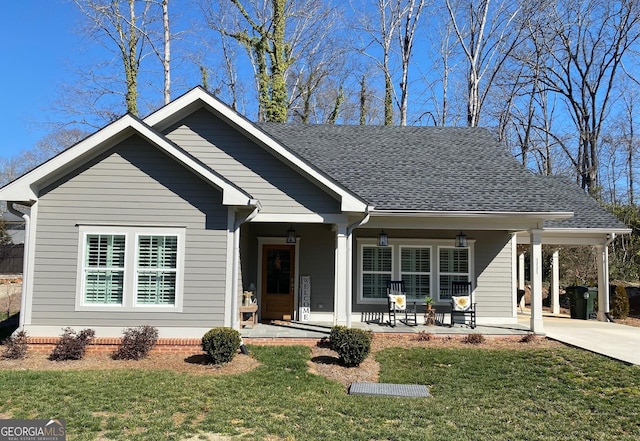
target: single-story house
168 220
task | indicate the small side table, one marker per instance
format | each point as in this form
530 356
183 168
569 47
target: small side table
430 317
248 315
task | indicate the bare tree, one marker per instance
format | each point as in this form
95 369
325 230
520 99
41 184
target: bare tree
276 34
380 34
586 42
126 30
487 33
410 12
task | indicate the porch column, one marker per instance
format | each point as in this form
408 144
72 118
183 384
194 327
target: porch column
521 277
603 281
555 283
341 306
536 282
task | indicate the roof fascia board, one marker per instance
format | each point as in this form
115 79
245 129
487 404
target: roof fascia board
587 230
198 97
475 214
26 188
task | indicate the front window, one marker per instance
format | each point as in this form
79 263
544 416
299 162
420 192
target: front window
427 267
376 271
156 270
104 269
453 267
130 267
415 271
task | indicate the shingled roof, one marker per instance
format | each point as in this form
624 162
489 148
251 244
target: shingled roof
435 169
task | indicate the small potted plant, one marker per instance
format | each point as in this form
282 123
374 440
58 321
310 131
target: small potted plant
429 302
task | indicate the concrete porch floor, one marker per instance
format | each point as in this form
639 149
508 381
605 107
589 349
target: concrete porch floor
317 330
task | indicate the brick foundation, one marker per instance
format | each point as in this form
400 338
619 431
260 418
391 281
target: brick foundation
186 346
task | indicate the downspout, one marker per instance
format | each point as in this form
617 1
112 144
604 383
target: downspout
350 229
25 261
235 266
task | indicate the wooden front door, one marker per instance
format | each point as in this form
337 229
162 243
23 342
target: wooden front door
278 272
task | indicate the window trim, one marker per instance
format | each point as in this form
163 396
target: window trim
396 244
129 295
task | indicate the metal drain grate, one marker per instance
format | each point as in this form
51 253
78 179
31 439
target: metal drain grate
388 389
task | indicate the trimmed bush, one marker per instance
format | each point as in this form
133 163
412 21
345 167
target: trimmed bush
221 344
620 303
352 345
72 346
15 346
474 339
136 343
335 337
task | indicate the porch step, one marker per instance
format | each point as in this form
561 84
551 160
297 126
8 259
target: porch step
389 389
302 326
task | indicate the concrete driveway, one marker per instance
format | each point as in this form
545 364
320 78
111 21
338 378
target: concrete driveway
610 339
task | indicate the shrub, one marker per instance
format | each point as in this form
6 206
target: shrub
424 336
15 346
72 346
352 345
221 344
620 303
136 343
474 339
336 336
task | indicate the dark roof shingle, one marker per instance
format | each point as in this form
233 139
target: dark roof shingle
433 169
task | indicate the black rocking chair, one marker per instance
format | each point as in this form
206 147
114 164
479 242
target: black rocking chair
397 302
462 304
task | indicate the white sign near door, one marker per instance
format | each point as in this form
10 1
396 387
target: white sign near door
304 303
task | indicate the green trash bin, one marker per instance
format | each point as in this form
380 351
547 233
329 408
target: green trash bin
581 301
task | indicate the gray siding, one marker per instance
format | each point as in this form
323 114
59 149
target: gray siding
132 184
280 189
493 269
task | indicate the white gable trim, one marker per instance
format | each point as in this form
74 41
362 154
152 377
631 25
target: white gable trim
27 187
198 97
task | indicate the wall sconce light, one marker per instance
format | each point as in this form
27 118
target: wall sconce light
291 235
383 239
461 240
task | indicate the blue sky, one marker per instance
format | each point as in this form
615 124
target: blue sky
37 37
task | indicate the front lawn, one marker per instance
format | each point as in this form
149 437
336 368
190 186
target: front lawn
478 394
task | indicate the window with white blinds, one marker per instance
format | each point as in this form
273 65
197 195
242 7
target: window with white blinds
454 267
104 269
130 268
156 270
415 271
376 271
427 267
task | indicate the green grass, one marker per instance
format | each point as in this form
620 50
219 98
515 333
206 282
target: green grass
478 394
